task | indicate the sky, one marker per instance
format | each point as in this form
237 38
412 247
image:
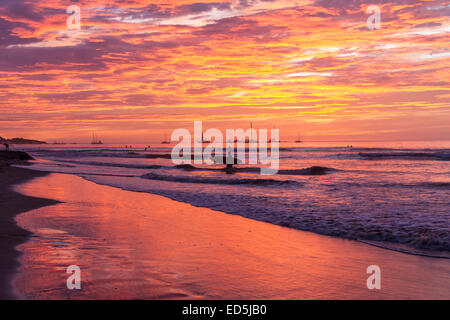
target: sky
136 70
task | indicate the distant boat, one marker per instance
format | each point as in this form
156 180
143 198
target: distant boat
165 141
95 139
204 140
251 135
247 139
299 140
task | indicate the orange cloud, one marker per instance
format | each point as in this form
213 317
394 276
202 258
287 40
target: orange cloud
136 67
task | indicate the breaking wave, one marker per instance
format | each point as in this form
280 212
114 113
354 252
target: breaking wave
233 181
352 193
407 156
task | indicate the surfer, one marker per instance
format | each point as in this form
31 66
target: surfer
229 160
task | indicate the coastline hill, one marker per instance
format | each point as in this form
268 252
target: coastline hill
20 141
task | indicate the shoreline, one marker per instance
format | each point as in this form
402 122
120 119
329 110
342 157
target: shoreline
11 235
184 252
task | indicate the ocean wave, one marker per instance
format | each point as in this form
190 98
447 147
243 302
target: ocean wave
231 181
79 151
314 170
158 156
115 165
407 250
311 171
375 185
190 167
443 185
73 154
405 204
388 226
407 156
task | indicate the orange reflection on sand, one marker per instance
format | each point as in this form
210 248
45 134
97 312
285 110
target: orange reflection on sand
133 245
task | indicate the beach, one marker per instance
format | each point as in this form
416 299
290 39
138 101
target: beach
11 204
229 150
392 193
135 245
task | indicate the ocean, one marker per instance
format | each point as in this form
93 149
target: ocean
394 195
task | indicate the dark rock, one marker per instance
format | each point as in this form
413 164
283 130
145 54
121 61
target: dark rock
317 170
14 155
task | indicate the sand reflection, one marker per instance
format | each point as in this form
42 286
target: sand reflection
133 245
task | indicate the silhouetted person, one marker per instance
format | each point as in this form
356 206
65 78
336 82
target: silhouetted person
229 168
6 146
229 161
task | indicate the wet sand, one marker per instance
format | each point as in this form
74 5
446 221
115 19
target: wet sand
11 204
133 245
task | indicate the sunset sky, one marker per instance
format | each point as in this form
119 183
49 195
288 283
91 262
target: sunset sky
139 69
